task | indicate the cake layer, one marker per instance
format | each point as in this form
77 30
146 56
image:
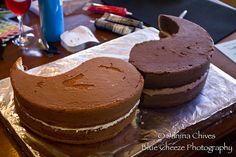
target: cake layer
169 97
180 57
76 135
98 91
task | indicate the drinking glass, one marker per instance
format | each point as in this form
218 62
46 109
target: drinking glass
19 8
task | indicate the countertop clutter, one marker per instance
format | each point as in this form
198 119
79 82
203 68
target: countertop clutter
208 120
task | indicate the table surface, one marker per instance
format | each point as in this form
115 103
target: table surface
32 59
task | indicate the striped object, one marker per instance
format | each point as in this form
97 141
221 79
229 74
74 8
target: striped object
9 30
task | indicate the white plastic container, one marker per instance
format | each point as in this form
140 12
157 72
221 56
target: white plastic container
78 39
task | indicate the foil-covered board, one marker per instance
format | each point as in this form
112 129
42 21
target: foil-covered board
149 126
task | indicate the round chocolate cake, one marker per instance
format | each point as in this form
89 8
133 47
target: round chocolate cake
88 104
174 67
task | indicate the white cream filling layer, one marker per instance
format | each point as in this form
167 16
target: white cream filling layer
93 128
164 91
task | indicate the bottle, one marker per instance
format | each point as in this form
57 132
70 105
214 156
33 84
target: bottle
51 19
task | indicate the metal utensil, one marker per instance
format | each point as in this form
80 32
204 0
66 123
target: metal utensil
182 15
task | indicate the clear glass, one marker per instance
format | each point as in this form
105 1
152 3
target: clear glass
20 7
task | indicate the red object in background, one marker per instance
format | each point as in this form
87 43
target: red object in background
99 8
18 7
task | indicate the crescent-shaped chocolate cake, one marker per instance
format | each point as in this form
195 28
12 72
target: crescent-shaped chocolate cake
175 67
91 103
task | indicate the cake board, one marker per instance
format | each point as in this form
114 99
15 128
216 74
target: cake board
218 94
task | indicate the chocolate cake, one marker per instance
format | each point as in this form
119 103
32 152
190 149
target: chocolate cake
175 67
91 103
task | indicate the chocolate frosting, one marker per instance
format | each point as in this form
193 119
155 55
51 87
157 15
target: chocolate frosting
96 92
181 56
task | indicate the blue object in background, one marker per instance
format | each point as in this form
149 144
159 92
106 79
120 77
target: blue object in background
51 19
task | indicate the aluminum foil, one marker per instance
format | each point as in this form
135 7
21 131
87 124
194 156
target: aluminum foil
218 93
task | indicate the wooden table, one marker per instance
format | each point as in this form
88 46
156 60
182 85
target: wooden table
8 146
